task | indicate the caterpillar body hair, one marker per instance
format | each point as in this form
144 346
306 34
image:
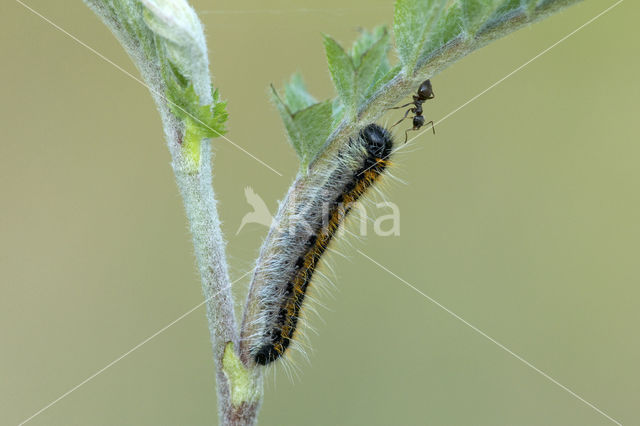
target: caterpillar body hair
310 216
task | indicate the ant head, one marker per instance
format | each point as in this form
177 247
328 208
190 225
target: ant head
418 121
425 91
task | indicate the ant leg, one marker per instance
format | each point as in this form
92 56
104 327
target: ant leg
400 107
418 128
406 136
402 119
432 126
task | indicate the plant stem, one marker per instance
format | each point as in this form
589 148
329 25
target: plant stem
239 392
199 201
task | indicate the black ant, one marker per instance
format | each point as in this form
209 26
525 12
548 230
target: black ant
425 92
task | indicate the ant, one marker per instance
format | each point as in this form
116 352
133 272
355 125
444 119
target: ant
425 92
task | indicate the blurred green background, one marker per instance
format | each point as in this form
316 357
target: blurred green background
520 215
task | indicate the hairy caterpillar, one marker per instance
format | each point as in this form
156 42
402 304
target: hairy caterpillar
321 202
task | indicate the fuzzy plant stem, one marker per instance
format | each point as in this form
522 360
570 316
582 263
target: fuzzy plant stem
197 194
166 42
403 84
238 391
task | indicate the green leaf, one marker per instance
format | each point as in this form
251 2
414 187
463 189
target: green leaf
452 24
413 25
507 7
356 72
476 12
387 77
296 95
446 29
209 120
372 64
337 113
342 72
384 66
314 123
365 41
530 5
308 128
424 26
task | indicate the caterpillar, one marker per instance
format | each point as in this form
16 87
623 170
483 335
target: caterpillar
321 202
